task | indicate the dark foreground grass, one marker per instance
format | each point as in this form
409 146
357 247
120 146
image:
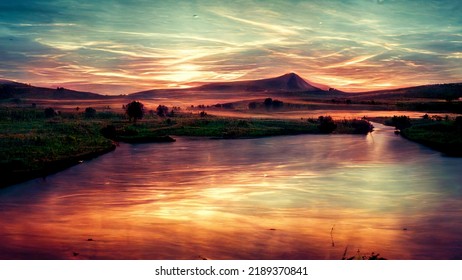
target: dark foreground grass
37 148
33 145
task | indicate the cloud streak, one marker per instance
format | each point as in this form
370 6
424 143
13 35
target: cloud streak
125 46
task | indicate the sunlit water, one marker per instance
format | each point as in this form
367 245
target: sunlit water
294 197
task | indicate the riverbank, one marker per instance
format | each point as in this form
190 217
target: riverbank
36 148
438 133
34 144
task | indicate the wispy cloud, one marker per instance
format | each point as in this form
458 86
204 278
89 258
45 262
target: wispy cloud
351 45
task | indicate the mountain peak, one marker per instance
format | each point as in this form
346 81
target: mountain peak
292 81
287 82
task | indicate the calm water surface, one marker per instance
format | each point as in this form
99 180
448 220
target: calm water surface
294 197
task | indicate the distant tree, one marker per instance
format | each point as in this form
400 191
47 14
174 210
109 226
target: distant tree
268 103
203 114
90 112
227 105
252 105
362 126
326 124
425 117
135 110
277 104
162 111
401 122
50 112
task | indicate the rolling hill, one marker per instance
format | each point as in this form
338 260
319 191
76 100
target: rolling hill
10 89
288 82
450 91
277 86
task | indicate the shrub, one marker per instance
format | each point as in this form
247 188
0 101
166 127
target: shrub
162 111
90 112
326 124
361 126
252 105
401 122
268 103
50 112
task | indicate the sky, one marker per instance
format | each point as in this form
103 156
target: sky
124 46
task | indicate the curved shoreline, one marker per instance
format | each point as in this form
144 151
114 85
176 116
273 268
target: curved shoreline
49 168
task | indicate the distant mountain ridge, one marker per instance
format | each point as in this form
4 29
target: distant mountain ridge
10 89
448 91
287 82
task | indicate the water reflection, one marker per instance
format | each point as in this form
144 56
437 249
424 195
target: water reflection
269 198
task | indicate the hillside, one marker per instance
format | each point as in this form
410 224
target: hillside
9 89
287 82
438 91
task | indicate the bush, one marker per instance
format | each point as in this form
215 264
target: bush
361 126
252 105
277 104
50 112
162 111
326 124
268 103
90 112
401 122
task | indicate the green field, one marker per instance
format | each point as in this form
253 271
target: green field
441 134
34 145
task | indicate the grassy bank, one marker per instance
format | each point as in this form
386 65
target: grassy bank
33 146
228 128
35 142
441 134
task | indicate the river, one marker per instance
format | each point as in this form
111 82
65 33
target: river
289 197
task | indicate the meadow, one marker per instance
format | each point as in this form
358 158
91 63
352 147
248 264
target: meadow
35 142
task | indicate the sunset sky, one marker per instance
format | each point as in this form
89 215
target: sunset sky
124 46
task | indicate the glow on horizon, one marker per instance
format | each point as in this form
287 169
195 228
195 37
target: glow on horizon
123 46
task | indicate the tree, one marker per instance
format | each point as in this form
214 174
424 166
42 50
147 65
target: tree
50 112
252 105
326 124
162 111
135 110
277 104
401 122
268 103
90 112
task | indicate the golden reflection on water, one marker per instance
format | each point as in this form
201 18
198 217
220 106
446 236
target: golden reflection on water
297 197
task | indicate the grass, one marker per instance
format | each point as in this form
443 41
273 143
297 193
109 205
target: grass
32 145
444 135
